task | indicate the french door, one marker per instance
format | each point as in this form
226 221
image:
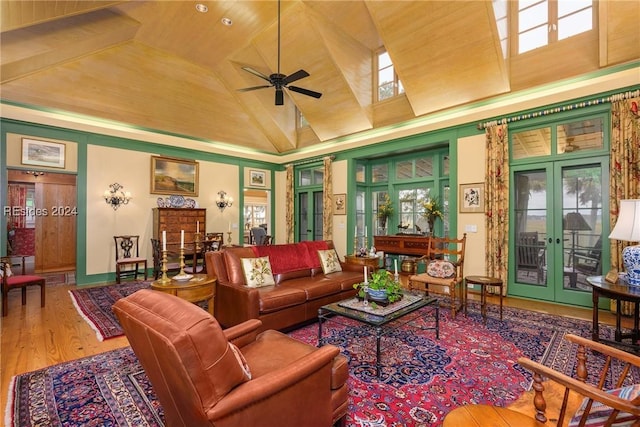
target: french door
309 209
559 225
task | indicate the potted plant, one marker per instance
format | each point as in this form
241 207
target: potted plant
381 287
432 210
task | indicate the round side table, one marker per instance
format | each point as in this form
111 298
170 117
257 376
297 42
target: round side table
483 282
199 288
487 415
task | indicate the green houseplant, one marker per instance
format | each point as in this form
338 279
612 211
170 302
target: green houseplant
385 210
381 280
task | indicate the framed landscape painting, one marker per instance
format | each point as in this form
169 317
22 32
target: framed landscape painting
174 176
43 153
257 178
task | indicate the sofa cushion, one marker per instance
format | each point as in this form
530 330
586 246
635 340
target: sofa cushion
329 261
600 412
315 287
275 298
257 272
284 258
295 274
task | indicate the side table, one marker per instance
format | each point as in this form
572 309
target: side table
487 415
200 287
483 282
371 262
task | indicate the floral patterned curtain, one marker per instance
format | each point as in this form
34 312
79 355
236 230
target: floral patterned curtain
17 197
327 202
289 205
624 172
497 204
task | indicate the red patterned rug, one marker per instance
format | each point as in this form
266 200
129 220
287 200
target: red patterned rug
94 306
423 377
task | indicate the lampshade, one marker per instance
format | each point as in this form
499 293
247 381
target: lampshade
574 221
627 229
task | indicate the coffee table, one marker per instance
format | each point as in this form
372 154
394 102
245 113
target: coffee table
381 320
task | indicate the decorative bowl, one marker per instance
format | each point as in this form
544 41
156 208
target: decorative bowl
182 277
377 294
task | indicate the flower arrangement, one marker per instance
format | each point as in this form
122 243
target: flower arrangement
385 210
432 210
381 280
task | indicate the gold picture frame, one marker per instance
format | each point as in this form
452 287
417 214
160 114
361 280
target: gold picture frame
340 204
43 153
174 176
471 197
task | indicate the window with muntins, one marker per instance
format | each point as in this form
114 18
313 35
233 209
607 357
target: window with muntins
387 81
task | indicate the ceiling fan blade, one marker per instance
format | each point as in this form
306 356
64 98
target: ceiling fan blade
279 97
256 73
305 91
300 74
247 89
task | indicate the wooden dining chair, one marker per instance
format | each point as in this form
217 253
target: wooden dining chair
128 259
11 280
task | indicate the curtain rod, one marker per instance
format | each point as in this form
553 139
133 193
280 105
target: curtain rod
313 160
575 106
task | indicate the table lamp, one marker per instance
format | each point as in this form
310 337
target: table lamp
627 228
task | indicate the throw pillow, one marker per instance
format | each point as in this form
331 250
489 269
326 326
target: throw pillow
257 272
241 361
600 412
329 261
441 269
6 268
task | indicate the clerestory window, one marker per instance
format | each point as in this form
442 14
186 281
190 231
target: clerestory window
387 82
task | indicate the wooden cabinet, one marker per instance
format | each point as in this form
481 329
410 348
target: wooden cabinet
402 244
172 220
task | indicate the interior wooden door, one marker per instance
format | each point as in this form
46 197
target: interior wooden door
56 231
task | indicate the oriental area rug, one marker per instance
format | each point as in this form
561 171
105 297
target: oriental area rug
423 378
94 306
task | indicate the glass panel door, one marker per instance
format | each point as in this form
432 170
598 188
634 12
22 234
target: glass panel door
310 205
558 231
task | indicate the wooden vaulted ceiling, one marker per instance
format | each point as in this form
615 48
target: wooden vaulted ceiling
163 66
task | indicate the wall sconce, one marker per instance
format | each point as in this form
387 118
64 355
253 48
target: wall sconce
116 197
223 200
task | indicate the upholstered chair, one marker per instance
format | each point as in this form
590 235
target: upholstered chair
206 376
12 279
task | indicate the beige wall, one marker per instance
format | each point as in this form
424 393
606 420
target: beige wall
132 169
340 179
471 169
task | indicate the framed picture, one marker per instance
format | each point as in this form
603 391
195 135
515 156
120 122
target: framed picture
257 178
42 153
339 204
174 176
472 197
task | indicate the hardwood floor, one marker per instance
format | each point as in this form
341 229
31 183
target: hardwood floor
34 337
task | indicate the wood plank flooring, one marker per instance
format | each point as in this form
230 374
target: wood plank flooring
33 337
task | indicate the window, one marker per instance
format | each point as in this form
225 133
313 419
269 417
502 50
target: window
543 22
388 83
302 122
255 216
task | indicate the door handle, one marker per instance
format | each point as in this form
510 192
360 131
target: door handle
550 240
558 240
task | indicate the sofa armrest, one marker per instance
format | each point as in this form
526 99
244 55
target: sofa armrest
281 396
235 304
244 333
352 267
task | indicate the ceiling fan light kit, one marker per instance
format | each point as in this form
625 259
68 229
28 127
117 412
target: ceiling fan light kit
280 81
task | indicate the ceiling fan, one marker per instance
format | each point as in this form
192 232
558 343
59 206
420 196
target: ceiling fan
280 81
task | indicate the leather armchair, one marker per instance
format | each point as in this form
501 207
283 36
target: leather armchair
204 376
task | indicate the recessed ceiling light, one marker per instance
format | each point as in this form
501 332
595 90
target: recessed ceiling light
227 21
202 8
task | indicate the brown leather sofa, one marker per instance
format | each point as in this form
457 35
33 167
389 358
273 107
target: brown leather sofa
204 376
300 289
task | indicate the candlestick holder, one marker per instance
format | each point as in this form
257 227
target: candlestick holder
229 238
182 273
356 252
164 278
197 238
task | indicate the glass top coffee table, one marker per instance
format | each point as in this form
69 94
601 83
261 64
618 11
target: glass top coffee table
381 319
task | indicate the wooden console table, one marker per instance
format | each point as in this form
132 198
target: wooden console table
402 244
